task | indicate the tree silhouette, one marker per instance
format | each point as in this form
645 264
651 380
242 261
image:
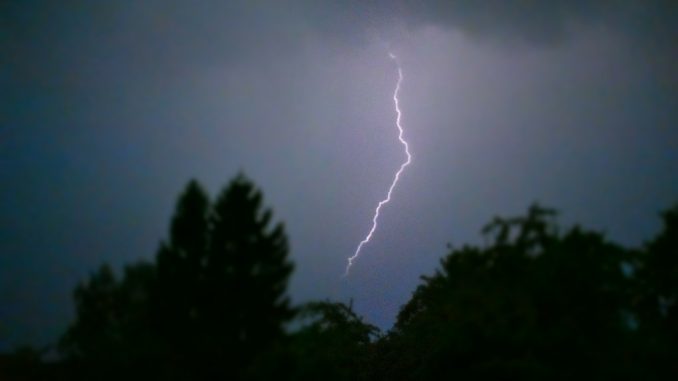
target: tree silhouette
213 300
533 304
332 344
112 332
94 334
246 273
179 293
655 294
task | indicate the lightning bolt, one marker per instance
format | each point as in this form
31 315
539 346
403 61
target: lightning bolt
397 175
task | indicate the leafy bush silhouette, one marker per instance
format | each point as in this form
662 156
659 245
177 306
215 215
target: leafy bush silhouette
539 304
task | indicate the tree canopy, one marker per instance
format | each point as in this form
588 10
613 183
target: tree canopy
536 301
214 298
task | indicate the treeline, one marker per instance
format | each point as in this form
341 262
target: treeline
536 302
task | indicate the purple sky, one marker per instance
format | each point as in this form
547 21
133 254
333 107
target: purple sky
107 109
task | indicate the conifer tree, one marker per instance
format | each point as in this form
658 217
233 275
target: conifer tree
247 270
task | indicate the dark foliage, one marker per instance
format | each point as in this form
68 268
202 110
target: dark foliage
536 302
214 299
540 304
333 343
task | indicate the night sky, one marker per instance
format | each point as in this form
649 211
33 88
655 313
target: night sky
108 108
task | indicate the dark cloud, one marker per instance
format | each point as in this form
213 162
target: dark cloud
41 38
547 21
86 44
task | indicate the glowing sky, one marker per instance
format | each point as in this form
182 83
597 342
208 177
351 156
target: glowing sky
107 109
